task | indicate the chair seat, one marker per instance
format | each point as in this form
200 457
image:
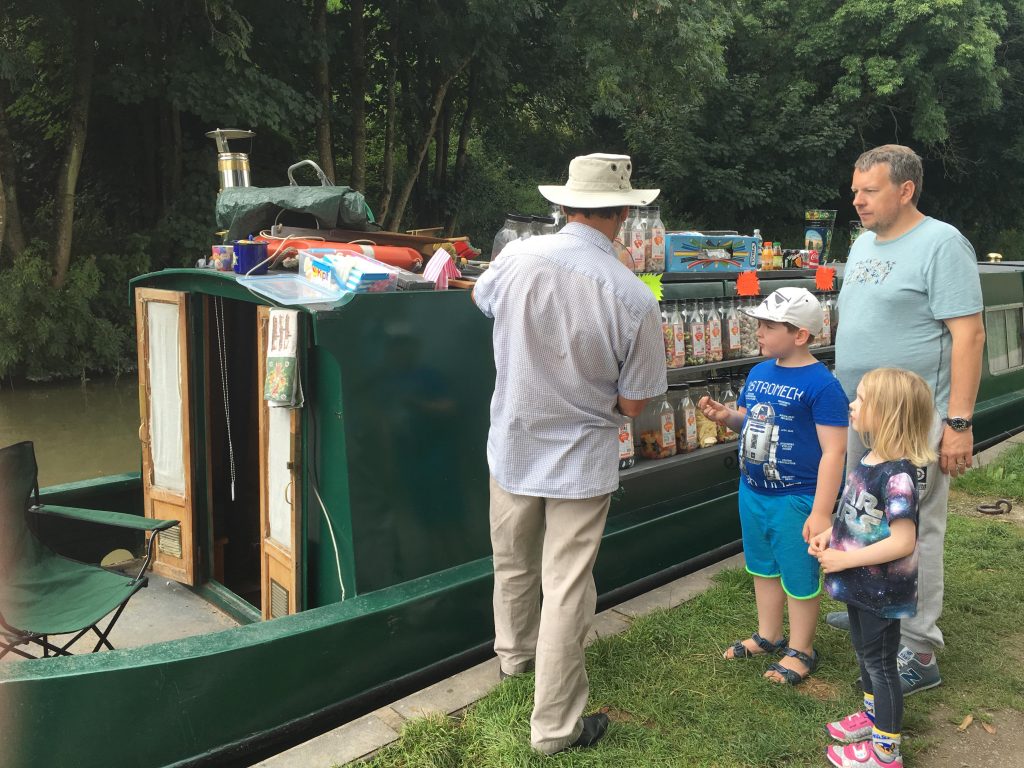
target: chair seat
56 595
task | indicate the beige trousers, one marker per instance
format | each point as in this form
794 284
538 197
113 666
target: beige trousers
547 545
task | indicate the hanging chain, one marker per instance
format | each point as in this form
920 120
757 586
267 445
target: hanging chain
218 308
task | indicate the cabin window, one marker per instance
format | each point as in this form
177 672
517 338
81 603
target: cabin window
1004 329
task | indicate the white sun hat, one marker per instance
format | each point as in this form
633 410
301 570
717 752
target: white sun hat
598 181
796 306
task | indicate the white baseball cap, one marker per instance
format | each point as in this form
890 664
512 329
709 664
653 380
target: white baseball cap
796 306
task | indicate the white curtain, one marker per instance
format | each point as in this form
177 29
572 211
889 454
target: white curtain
165 417
279 441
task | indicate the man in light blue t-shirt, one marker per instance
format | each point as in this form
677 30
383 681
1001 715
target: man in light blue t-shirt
911 298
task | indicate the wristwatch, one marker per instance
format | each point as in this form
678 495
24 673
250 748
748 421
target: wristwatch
958 424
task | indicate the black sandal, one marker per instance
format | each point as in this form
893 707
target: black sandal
740 651
791 676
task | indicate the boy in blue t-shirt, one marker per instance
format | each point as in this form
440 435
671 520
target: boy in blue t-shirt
792 419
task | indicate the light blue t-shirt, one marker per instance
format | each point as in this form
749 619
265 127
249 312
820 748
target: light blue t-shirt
779 446
894 299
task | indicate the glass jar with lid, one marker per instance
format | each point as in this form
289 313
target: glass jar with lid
657 429
728 399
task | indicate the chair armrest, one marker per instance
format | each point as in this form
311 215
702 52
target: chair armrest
105 517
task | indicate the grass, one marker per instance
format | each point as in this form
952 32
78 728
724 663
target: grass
674 701
1003 478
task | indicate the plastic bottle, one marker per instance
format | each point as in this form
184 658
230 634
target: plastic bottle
686 423
637 242
728 399
697 354
667 335
627 454
645 218
679 341
707 430
777 256
748 331
620 245
733 347
657 260
767 257
755 250
713 332
657 428
826 338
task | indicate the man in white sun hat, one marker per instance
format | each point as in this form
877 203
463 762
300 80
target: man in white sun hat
577 341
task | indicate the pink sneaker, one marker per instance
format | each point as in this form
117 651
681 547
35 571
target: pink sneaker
855 727
859 755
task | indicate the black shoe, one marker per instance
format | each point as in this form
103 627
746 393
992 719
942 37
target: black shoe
594 727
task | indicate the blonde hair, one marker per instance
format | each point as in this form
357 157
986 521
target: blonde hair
898 410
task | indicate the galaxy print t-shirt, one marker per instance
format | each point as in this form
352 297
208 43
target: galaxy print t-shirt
876 495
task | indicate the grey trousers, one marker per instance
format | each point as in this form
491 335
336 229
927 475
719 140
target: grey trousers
921 633
547 545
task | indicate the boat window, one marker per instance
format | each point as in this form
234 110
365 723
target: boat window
1004 331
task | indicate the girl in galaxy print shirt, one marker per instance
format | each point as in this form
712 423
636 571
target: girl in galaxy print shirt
869 556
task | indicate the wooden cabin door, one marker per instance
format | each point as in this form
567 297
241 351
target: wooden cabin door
280 505
165 431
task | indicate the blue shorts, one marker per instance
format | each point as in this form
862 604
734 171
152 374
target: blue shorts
773 545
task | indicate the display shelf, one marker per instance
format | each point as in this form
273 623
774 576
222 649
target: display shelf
648 466
731 275
694 372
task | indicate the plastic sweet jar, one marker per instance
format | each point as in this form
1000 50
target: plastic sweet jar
627 454
707 430
686 422
657 430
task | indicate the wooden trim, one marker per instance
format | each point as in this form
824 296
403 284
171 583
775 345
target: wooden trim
161 502
262 325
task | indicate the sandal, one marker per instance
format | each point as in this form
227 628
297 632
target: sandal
740 651
791 676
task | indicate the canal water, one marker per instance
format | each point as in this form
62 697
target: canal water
80 431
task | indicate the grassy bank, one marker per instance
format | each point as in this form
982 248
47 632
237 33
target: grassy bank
674 701
1003 478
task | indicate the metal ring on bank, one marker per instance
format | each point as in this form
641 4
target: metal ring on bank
1001 507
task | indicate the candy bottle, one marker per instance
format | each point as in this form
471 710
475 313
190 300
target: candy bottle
713 333
697 353
686 423
627 454
733 348
637 242
657 429
668 336
679 340
657 260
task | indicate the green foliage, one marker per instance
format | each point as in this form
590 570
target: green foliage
1003 478
47 333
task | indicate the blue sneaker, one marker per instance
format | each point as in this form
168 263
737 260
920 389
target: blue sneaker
839 620
915 676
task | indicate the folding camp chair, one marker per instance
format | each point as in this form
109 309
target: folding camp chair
42 593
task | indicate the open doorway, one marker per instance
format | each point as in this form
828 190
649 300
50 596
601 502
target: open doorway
234 396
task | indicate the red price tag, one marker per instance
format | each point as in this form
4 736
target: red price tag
825 278
747 284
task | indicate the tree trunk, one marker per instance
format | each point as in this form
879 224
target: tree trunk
388 168
12 236
324 149
461 153
83 56
395 218
358 84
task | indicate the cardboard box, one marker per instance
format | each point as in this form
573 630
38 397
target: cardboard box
697 252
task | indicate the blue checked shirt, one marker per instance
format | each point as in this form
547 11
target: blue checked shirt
573 329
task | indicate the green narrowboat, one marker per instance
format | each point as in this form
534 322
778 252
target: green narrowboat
348 536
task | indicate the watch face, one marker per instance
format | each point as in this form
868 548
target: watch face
959 424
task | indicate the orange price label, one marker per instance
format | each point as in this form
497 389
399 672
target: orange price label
825 278
747 284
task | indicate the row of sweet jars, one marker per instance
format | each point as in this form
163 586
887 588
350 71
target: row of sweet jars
672 423
701 331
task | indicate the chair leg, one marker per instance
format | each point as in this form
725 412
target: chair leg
110 625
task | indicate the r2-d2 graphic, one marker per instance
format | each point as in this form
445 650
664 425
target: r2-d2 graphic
761 440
